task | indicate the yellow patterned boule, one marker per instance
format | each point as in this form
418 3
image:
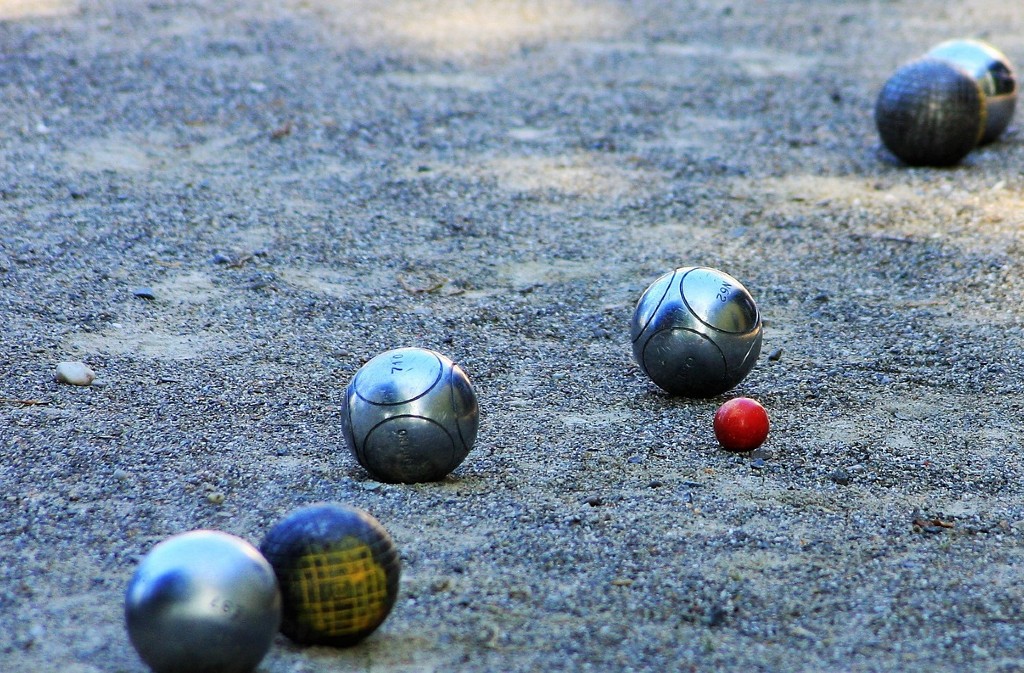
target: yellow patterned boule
338 570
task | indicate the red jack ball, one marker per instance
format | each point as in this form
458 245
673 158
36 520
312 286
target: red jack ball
741 424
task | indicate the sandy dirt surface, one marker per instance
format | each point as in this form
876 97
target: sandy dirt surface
301 185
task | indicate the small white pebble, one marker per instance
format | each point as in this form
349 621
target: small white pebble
75 373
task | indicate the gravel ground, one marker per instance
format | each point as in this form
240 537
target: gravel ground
225 207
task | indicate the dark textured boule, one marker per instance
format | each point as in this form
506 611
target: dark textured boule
995 75
930 113
338 570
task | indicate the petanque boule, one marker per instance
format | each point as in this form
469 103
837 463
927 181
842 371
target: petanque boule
203 601
996 78
338 570
410 415
930 112
696 332
935 109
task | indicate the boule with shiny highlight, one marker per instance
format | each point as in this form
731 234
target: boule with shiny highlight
203 601
696 332
994 74
410 415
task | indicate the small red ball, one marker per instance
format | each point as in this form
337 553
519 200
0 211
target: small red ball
741 424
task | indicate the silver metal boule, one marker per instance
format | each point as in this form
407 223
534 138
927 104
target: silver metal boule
203 601
410 415
995 75
696 332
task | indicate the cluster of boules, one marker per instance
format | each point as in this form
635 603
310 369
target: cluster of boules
697 332
328 574
935 109
206 600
